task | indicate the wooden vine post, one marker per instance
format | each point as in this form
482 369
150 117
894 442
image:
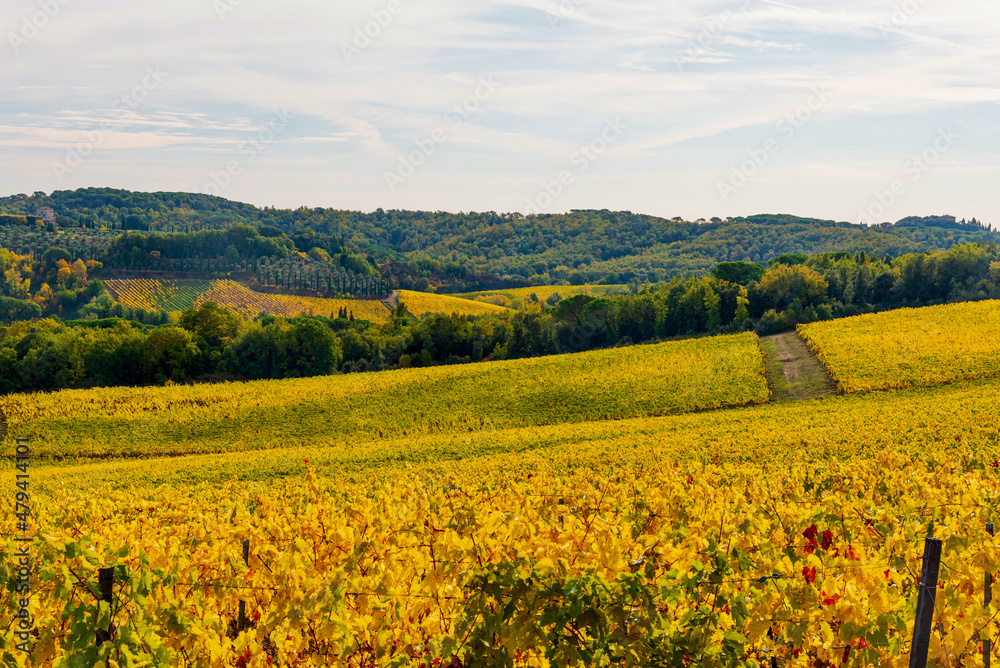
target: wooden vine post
987 600
925 603
242 622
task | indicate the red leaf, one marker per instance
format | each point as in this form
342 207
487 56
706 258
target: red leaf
827 539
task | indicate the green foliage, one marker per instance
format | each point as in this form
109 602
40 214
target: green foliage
789 259
587 619
785 284
212 323
456 252
171 352
16 309
825 286
53 255
285 349
738 272
240 242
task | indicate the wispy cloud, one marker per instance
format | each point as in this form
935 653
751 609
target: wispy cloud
701 82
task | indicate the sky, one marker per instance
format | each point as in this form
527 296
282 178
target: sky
848 110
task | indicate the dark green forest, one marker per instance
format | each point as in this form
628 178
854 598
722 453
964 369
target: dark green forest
448 252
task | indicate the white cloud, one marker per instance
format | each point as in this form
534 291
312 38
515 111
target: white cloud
700 83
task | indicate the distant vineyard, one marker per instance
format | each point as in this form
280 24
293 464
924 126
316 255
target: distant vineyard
422 303
151 295
250 304
909 347
543 292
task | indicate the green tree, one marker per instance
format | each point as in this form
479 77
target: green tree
738 272
16 309
783 284
789 259
309 348
217 326
171 353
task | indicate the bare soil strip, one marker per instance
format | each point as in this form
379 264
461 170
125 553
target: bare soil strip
794 373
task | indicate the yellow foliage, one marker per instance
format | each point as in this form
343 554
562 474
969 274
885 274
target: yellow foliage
423 303
377 543
909 347
353 408
237 297
155 295
382 499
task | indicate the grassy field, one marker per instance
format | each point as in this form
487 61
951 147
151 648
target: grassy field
909 347
334 410
420 304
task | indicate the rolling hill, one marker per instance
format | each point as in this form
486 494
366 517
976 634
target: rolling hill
468 252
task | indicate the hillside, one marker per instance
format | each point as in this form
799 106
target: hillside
421 304
910 347
513 500
469 251
362 407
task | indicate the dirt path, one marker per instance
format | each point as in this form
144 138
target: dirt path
793 372
392 300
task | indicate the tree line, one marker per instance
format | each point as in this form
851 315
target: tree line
211 343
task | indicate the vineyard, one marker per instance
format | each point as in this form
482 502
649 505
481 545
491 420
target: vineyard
154 295
566 511
179 295
909 347
236 297
724 538
541 293
336 410
420 304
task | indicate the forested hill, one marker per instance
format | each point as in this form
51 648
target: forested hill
471 250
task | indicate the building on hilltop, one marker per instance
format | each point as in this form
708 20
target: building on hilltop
47 214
